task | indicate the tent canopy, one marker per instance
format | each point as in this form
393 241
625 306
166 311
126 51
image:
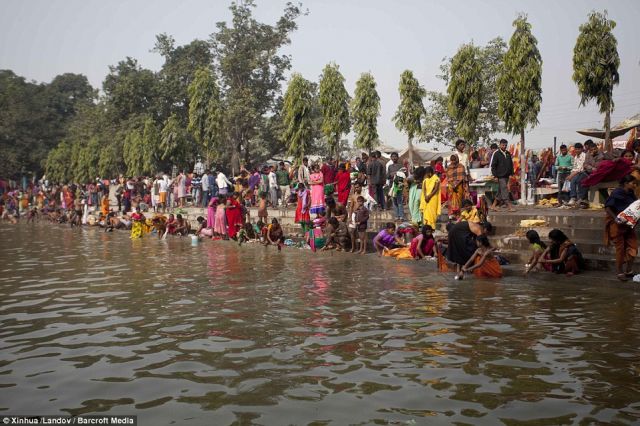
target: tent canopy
617 130
423 156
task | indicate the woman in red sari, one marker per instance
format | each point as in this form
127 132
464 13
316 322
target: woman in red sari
609 170
343 183
234 215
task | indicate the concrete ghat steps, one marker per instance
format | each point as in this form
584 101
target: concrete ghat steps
587 247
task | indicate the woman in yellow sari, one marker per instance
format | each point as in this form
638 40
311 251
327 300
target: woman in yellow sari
430 199
456 177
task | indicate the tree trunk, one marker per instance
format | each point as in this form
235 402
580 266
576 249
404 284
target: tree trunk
608 144
336 152
523 189
410 146
235 158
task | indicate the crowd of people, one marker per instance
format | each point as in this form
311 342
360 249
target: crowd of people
334 200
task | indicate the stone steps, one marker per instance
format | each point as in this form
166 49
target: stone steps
587 247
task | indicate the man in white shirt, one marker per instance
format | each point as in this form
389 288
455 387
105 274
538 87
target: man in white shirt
163 187
223 183
205 188
576 176
273 187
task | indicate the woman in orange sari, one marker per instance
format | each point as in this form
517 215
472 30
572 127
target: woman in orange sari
456 178
483 263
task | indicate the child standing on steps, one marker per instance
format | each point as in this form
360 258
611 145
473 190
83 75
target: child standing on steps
358 226
262 208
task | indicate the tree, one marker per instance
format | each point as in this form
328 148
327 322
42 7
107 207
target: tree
205 112
440 126
133 153
595 66
334 102
251 71
365 110
173 142
465 91
297 116
56 166
110 160
150 147
178 72
408 117
520 87
130 90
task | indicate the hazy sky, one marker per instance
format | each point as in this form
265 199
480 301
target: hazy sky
42 38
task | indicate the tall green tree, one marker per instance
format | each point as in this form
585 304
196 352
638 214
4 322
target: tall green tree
297 116
56 166
439 126
205 113
34 118
520 87
411 111
150 147
133 153
130 90
334 101
465 91
178 72
174 142
595 66
365 110
251 70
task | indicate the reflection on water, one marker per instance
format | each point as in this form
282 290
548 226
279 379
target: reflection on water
96 323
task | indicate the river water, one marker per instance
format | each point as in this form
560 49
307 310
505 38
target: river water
92 322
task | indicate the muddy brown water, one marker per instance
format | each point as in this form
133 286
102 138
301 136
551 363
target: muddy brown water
94 323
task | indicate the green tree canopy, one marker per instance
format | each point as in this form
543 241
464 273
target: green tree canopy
365 110
205 113
129 89
520 86
411 111
440 126
520 80
251 71
297 116
334 102
465 91
177 73
595 65
174 145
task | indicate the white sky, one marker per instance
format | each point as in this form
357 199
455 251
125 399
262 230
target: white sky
42 38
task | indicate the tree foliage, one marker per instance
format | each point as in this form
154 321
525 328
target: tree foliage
520 80
411 111
177 73
365 110
408 117
129 89
251 71
173 142
465 91
205 112
595 64
334 102
34 118
439 126
297 116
